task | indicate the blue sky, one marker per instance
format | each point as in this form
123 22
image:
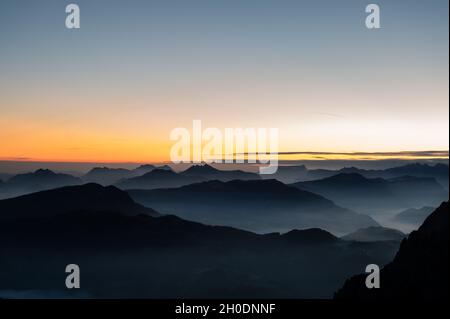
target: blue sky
308 67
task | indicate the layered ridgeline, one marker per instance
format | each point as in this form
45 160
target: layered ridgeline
130 178
157 179
292 174
123 251
207 172
108 176
255 205
419 270
42 179
197 173
375 195
91 197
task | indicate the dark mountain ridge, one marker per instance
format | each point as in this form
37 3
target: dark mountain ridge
371 195
157 178
71 198
207 172
419 270
164 256
255 205
438 171
41 179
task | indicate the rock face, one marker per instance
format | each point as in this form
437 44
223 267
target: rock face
419 271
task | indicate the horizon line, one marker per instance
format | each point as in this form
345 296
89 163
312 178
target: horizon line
356 156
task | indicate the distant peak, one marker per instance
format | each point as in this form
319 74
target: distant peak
43 171
145 166
201 168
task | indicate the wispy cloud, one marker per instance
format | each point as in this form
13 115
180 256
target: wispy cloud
296 155
392 154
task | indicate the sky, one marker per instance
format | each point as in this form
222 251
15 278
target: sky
113 90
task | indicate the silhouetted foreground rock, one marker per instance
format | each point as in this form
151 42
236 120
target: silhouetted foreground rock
419 271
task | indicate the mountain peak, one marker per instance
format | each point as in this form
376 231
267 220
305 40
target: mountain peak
201 169
89 197
106 169
43 171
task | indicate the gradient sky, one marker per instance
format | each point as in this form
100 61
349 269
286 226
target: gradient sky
114 89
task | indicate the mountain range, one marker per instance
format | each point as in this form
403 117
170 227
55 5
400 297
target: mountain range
157 178
124 252
39 180
197 173
207 172
255 205
71 199
109 176
375 195
439 171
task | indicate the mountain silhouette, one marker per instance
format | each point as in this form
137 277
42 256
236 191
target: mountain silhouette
419 270
88 197
207 172
375 234
142 169
372 195
166 178
118 244
157 178
255 205
438 171
147 168
41 179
